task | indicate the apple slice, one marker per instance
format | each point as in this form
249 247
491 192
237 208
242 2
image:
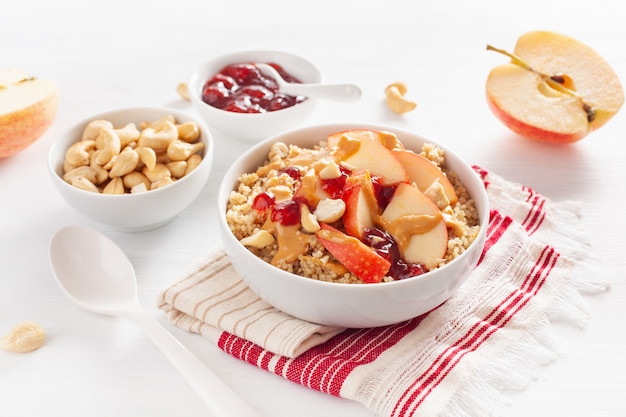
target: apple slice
363 149
361 204
423 173
27 108
355 255
555 89
416 224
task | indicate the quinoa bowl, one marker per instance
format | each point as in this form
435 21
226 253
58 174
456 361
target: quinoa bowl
350 287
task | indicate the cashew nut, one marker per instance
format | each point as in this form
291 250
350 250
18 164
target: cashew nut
101 174
147 156
308 220
177 168
179 150
259 239
183 91
134 178
189 131
158 137
78 154
159 171
330 171
115 186
91 131
329 210
161 182
125 163
437 195
82 171
139 188
108 145
84 184
396 101
127 134
24 337
158 122
192 163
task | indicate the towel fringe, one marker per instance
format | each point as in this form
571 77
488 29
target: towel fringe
522 362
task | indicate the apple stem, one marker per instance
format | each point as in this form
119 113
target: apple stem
555 81
514 58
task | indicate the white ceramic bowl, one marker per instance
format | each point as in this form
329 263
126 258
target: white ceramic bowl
350 305
254 126
132 212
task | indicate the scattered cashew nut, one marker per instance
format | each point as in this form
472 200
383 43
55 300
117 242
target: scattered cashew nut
329 210
260 239
308 220
24 337
183 91
396 101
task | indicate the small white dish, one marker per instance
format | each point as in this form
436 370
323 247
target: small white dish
253 126
132 212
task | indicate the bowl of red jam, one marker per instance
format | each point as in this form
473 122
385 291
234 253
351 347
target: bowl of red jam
239 101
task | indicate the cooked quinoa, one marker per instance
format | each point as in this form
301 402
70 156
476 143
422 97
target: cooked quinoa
317 263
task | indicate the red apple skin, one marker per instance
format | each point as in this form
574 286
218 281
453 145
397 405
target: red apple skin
355 255
533 132
21 128
361 204
522 99
422 172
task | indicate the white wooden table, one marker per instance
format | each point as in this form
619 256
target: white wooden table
125 53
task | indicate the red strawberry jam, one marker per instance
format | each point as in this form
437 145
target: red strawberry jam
242 88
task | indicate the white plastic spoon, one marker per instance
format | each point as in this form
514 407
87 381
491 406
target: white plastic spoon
97 275
339 92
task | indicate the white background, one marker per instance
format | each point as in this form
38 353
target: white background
116 53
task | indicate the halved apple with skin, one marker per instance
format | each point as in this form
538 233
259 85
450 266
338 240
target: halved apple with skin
27 108
364 149
416 224
423 173
361 204
555 89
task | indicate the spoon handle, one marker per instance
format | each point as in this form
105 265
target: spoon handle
336 92
221 400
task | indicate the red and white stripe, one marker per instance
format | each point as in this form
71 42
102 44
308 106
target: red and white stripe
327 366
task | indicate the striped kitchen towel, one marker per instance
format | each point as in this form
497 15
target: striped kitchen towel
493 334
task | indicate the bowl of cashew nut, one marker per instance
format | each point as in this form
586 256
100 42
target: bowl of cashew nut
239 101
132 169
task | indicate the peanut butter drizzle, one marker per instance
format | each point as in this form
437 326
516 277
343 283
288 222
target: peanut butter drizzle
346 147
390 141
291 244
263 170
308 188
307 158
336 268
406 226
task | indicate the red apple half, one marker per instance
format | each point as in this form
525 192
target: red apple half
27 108
555 89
